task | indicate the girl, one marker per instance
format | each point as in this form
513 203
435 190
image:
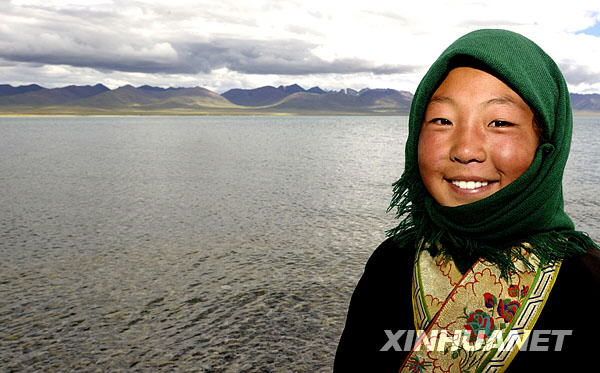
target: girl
484 255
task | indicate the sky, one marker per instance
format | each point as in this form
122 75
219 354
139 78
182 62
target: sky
223 44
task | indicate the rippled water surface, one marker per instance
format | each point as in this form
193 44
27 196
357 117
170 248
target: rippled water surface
217 244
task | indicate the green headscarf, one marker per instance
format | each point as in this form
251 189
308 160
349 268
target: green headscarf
530 209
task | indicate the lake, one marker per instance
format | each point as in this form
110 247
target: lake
218 244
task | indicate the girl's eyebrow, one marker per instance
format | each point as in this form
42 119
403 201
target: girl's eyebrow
441 99
502 100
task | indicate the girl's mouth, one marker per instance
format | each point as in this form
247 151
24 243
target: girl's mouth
462 184
471 185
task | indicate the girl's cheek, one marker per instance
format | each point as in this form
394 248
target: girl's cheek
432 143
512 156
431 155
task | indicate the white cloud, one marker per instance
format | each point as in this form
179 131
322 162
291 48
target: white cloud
224 44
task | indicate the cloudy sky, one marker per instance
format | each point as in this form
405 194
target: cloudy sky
222 44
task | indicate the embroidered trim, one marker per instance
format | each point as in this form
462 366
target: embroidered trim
481 302
526 317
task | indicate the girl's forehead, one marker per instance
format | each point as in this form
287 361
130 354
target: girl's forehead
476 87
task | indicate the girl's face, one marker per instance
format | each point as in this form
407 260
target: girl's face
477 137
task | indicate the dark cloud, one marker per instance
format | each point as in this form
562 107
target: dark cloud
577 74
283 57
107 40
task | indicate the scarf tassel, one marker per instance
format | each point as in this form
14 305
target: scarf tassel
549 247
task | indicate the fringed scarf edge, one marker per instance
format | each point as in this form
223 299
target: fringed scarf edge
549 247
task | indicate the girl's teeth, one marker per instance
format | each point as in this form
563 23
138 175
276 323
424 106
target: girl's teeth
469 184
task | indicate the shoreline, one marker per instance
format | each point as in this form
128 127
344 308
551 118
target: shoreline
576 113
20 115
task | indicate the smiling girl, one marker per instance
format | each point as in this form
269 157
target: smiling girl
478 136
484 252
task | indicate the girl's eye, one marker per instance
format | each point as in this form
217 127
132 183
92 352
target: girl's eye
442 121
500 123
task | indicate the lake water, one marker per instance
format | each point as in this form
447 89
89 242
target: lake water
201 243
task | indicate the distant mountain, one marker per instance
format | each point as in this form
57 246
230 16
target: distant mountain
585 102
347 101
386 98
9 90
262 96
291 99
53 96
316 90
146 97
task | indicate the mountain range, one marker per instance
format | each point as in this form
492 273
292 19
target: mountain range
291 99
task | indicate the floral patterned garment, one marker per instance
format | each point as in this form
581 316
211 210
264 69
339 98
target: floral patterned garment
481 317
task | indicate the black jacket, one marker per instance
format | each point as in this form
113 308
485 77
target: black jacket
382 301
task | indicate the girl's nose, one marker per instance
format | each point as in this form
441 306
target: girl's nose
468 144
